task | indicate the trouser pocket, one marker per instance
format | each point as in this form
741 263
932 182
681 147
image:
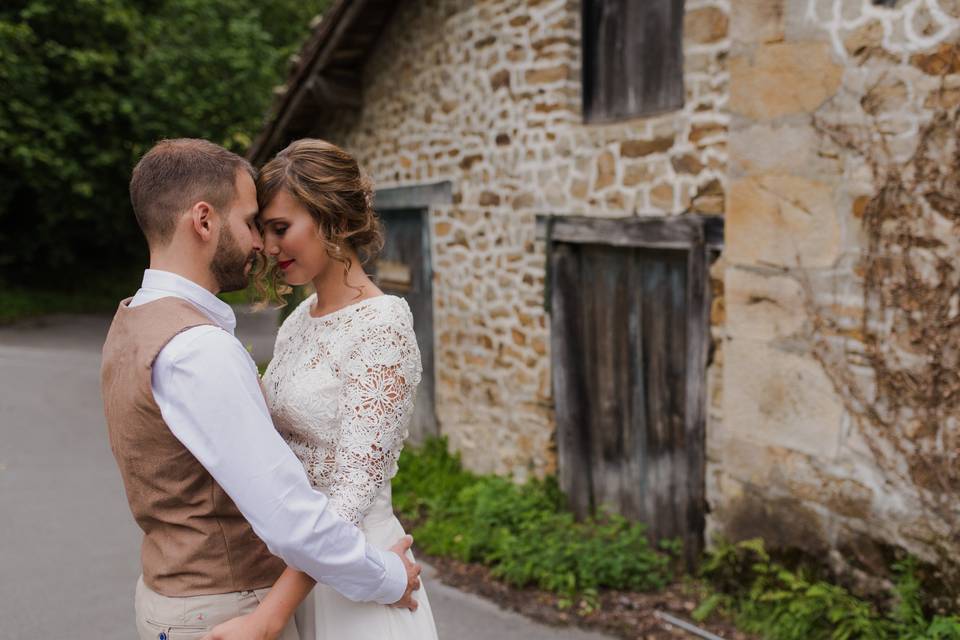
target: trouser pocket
162 631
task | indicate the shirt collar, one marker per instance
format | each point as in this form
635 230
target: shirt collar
173 284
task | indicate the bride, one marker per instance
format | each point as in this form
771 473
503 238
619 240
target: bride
343 379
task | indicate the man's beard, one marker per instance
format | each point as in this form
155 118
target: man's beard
229 263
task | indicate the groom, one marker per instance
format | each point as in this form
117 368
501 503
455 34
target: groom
209 481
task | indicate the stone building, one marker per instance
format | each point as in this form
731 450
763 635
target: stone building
633 237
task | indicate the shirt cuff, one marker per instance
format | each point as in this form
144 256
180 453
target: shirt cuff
394 580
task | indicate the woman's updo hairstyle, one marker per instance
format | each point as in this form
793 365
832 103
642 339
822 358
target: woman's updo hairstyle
328 182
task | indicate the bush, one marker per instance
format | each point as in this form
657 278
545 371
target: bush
522 532
527 537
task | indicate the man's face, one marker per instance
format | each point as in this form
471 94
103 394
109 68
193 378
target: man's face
239 241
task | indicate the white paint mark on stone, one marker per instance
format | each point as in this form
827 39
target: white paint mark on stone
897 20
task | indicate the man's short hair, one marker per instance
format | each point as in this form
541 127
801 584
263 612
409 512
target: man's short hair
176 174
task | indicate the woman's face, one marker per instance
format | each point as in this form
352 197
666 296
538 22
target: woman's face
291 236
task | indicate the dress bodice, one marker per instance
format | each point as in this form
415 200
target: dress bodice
341 389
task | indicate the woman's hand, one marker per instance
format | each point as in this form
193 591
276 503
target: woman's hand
248 627
268 620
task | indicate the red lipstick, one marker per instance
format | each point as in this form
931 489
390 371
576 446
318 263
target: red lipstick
283 264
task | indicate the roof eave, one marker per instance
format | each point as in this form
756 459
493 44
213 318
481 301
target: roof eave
306 86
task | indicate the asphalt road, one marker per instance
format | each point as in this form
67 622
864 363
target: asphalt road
69 549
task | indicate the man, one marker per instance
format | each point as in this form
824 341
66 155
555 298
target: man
208 479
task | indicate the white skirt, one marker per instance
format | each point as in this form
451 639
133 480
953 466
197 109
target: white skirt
327 615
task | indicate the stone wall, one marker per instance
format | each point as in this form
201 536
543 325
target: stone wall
787 461
487 96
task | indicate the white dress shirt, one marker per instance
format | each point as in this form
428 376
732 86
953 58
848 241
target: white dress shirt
208 391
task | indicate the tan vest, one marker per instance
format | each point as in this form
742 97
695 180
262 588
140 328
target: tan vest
195 541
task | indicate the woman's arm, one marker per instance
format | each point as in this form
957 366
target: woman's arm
286 595
272 615
377 395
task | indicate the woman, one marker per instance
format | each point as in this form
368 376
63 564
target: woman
343 379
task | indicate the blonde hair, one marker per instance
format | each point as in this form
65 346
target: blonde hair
328 182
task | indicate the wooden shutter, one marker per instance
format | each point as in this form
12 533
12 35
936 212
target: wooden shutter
632 58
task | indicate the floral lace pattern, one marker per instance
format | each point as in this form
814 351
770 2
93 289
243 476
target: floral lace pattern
341 389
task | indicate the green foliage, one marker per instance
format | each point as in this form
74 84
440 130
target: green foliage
64 147
908 618
89 85
521 531
766 598
526 536
218 90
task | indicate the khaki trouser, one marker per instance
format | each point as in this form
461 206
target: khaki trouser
163 618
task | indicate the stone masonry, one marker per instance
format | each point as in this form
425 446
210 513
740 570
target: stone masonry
486 94
785 461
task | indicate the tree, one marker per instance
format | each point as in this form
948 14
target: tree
89 85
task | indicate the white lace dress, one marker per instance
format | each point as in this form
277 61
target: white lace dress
341 389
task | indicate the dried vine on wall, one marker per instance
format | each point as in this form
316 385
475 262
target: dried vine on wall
902 388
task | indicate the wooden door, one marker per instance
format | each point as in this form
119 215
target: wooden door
628 332
404 269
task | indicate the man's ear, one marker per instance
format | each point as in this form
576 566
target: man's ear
202 218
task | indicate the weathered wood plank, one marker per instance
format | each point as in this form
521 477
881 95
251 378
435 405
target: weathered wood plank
634 483
679 368
660 336
407 272
632 58
414 196
678 232
698 332
573 443
605 301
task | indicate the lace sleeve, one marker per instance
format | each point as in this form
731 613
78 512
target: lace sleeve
380 377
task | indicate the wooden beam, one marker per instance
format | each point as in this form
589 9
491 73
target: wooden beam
327 92
676 232
340 17
414 196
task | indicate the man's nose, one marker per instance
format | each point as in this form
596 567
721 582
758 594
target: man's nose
257 241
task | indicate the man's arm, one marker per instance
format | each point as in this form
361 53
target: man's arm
272 615
207 389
